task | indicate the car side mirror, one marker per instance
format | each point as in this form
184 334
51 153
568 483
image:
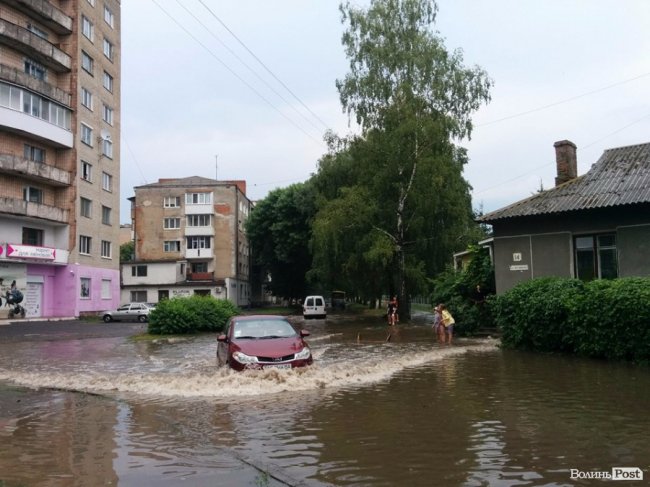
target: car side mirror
304 333
222 338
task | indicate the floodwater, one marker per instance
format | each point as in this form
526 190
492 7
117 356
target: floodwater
408 412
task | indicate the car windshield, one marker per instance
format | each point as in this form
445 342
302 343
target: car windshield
261 329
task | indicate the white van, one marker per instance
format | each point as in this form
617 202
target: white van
314 307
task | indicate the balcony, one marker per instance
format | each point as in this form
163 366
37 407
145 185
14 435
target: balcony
46 13
43 88
198 254
34 46
18 207
34 171
194 231
200 276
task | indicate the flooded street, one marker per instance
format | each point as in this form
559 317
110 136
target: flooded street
115 411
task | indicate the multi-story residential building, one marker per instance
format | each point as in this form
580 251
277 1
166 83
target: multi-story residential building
59 154
189 239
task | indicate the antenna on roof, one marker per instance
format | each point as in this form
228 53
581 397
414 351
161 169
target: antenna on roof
216 166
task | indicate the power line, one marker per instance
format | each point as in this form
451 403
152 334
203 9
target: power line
551 163
566 100
263 65
234 73
135 159
268 85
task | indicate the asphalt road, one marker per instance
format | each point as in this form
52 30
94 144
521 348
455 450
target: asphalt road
67 329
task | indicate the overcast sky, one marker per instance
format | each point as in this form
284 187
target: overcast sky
195 102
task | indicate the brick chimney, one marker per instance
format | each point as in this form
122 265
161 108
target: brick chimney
566 161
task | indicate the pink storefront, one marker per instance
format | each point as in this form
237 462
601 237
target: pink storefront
52 289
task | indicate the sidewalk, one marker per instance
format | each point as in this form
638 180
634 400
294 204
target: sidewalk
37 329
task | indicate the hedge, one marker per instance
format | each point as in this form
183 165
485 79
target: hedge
602 319
190 315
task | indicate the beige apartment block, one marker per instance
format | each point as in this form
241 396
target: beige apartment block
60 154
189 239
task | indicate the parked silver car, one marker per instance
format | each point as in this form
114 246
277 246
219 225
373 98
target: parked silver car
129 312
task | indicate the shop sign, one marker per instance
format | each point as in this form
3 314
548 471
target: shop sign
15 251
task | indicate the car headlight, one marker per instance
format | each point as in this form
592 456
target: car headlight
305 353
242 358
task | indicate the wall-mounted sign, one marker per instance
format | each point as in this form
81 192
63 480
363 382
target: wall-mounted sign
521 267
516 257
15 251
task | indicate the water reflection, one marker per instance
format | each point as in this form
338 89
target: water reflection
407 412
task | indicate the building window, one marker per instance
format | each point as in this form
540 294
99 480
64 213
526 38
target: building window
106 249
107 289
172 202
171 223
198 220
32 236
35 106
108 82
87 63
109 18
87 98
107 114
107 148
171 246
107 182
85 244
108 49
199 267
35 69
33 195
163 294
106 215
86 207
84 291
86 135
198 242
37 31
138 296
35 154
139 270
87 28
198 198
86 171
596 257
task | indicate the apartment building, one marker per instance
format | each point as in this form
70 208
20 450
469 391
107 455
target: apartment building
189 239
59 154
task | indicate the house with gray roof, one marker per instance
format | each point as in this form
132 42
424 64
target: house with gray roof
594 226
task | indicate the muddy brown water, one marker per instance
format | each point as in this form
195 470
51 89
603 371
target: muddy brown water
100 411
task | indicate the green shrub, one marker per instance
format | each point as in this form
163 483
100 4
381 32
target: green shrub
190 315
457 290
534 314
601 319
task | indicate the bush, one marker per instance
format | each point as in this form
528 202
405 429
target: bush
533 315
190 315
457 289
601 319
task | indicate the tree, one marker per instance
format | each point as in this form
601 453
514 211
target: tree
127 251
413 99
279 231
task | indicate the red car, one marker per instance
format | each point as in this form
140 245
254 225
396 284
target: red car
262 342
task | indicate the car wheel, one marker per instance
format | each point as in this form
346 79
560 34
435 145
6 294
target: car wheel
107 318
142 319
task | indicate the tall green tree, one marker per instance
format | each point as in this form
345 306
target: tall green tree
413 100
279 231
